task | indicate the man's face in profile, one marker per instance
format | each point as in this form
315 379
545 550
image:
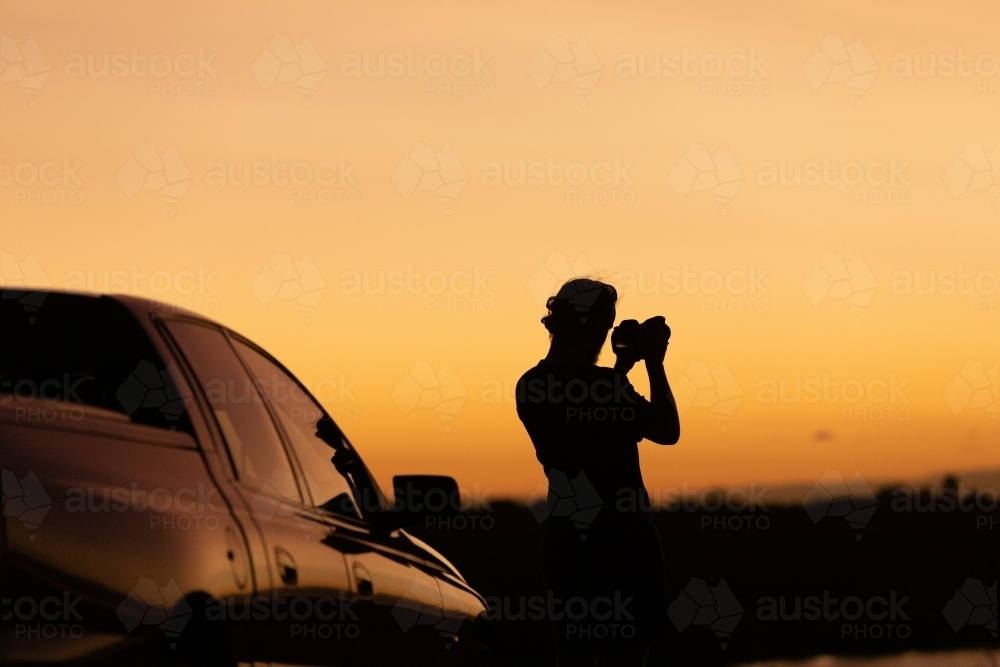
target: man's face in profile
596 334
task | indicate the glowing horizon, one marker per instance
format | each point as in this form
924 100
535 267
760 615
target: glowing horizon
809 195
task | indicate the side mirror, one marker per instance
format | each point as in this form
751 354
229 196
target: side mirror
422 497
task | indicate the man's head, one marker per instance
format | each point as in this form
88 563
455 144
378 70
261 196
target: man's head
580 316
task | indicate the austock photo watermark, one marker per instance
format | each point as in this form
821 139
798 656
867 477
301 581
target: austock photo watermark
181 508
735 74
856 617
463 509
854 283
880 181
56 180
55 399
182 74
584 182
147 604
48 617
185 289
729 509
455 74
578 617
978 68
326 181
465 290
717 290
303 617
849 62
741 290
869 400
853 499
184 508
574 496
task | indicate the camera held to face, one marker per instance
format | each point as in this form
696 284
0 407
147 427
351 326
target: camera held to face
633 342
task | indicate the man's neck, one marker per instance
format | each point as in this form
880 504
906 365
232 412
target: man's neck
559 354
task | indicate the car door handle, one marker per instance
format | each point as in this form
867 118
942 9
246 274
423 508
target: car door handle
286 567
363 580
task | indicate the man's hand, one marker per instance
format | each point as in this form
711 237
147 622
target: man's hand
654 335
624 343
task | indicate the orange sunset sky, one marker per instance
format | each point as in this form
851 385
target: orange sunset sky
807 192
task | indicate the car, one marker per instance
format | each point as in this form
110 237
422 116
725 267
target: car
174 495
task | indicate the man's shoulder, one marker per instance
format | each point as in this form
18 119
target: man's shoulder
538 370
545 369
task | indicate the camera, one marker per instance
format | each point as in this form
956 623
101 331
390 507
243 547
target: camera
630 339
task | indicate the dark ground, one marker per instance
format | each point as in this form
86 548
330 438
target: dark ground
923 555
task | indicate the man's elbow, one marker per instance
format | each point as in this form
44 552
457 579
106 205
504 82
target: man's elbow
665 436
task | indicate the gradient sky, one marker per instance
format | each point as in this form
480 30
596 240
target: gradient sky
835 83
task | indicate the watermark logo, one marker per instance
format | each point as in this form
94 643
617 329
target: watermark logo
410 611
833 279
284 279
733 291
149 169
183 74
47 617
321 182
715 606
284 62
25 499
191 289
50 182
715 389
834 496
559 62
729 74
600 182
458 74
423 387
554 271
575 499
974 170
146 604
280 486
947 66
425 170
872 612
701 171
973 604
17 276
23 64
836 62
974 387
149 387
881 181
454 292
872 399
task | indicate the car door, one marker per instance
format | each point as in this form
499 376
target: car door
106 458
302 608
396 602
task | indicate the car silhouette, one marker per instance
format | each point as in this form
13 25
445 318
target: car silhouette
173 495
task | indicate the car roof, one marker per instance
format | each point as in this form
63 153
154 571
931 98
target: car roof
140 307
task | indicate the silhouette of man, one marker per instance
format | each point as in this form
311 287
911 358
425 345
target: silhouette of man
585 422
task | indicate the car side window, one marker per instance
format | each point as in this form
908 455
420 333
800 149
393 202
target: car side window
87 350
254 445
298 413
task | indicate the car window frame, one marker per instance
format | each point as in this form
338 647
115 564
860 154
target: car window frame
210 417
297 466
